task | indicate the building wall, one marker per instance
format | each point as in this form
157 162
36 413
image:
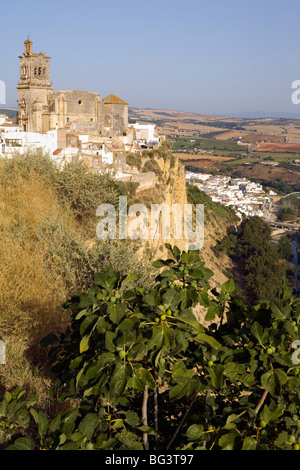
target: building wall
33 89
31 141
40 109
115 119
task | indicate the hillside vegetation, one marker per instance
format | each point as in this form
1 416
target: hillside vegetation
93 329
49 249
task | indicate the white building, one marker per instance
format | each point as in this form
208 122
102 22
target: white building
21 142
145 132
6 124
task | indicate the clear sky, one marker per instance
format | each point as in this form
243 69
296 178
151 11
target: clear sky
202 56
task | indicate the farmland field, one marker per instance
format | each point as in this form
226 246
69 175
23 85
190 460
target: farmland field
201 160
275 147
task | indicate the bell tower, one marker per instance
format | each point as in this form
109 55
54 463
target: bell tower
28 47
34 88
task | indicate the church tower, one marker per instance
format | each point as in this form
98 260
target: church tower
34 88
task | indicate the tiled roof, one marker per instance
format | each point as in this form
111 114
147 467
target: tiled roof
113 99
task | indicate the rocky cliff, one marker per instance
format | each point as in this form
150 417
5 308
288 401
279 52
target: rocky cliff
170 188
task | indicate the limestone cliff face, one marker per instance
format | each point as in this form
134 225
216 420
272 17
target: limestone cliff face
173 174
171 189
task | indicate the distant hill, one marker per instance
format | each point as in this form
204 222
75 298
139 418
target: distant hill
10 112
265 115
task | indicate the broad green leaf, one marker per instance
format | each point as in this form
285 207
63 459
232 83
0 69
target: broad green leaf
260 334
273 380
131 277
68 421
22 443
84 344
229 287
172 298
234 417
88 425
187 382
76 363
150 299
132 418
147 430
194 432
85 301
116 312
204 338
87 324
41 420
217 376
158 263
157 338
109 338
105 444
62 439
227 441
145 378
117 424
249 443
234 371
271 414
130 440
118 381
55 423
186 316
82 313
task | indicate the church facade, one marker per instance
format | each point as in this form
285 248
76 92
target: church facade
40 109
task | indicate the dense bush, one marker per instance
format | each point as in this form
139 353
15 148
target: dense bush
212 209
256 257
48 249
77 189
146 374
285 248
289 208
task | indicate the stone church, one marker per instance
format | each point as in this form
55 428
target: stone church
40 109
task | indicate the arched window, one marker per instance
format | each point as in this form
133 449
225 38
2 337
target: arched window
35 71
40 71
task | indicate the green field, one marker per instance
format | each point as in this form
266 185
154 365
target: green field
228 148
218 147
265 156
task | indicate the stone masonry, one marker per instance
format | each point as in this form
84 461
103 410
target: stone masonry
41 109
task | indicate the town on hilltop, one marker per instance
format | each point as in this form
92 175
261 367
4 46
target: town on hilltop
245 197
71 124
76 124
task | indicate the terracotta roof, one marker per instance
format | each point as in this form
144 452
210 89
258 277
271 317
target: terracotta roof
57 151
113 99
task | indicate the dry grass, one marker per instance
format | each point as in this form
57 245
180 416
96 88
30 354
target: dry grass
201 160
31 293
45 255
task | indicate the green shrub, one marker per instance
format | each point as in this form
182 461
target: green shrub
135 357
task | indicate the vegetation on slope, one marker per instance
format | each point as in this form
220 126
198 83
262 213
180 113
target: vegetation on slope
289 208
212 209
257 259
143 373
49 249
122 335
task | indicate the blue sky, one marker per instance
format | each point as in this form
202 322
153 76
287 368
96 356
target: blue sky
202 56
